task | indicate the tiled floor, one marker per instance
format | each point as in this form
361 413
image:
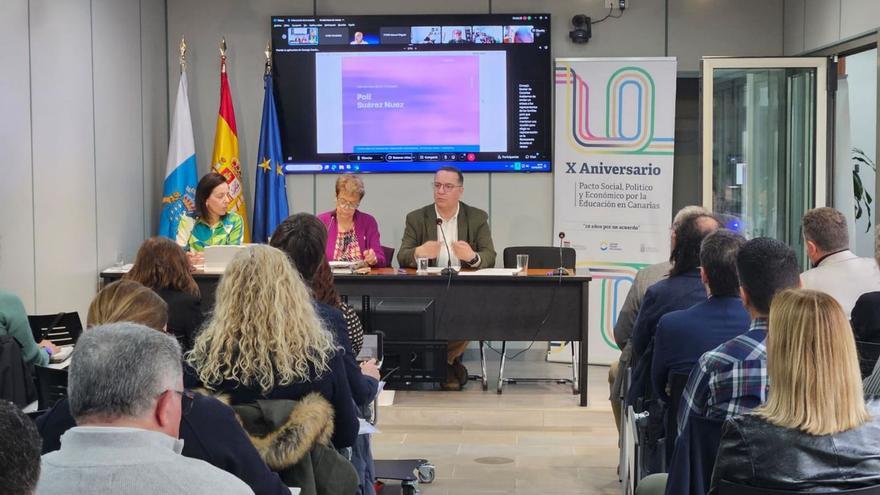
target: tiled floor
533 439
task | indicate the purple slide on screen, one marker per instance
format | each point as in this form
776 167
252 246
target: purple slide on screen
410 101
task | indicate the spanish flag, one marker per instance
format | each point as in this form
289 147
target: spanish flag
225 158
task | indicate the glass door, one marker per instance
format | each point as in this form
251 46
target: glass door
764 130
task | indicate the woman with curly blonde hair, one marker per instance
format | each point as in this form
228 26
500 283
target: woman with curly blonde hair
265 340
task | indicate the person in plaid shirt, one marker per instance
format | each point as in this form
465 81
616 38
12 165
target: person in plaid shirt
732 378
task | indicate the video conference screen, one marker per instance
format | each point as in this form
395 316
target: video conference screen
374 94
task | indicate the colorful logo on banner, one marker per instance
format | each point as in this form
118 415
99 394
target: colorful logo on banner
614 143
615 140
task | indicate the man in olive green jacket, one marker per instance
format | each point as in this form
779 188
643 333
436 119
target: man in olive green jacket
468 244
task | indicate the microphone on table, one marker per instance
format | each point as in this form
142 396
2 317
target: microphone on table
332 219
561 270
448 270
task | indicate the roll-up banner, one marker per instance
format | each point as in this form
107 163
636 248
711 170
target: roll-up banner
614 133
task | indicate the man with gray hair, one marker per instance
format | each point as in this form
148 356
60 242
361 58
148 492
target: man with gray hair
126 393
836 270
645 278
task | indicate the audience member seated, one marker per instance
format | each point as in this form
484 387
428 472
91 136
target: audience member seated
815 433
681 290
126 393
683 336
352 234
20 455
302 238
865 321
14 322
213 224
161 265
324 291
836 270
732 378
646 277
231 451
266 341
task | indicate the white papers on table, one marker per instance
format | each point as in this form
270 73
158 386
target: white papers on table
495 272
119 269
365 428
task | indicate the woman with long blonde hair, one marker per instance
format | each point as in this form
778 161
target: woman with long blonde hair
815 432
265 340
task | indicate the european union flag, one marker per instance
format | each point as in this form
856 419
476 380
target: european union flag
270 197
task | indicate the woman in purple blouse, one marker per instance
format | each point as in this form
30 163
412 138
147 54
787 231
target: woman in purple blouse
352 235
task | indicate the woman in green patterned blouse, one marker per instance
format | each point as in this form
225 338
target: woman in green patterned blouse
212 225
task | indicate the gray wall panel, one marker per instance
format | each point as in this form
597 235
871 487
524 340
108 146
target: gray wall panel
821 23
640 32
154 108
793 28
63 155
16 193
353 7
246 28
741 28
858 16
118 129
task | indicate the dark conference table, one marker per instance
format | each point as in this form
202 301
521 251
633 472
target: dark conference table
474 307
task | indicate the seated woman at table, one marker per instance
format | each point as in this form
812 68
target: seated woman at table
815 432
266 341
161 265
212 225
352 234
14 322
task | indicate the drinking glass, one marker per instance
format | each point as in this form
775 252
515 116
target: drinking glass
522 263
422 266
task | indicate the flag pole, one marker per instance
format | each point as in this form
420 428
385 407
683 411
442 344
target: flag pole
182 54
268 53
223 54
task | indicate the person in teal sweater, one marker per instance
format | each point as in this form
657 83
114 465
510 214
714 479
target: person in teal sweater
14 322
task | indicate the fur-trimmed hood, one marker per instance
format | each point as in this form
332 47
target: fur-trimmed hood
285 431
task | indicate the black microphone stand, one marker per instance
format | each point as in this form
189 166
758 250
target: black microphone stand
448 271
561 270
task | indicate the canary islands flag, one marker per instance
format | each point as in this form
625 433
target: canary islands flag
270 196
225 158
179 191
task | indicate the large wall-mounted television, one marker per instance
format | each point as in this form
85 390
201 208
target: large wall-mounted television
411 93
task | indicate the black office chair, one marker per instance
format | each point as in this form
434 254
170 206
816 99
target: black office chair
677 383
543 257
51 386
730 488
690 472
60 329
869 353
389 256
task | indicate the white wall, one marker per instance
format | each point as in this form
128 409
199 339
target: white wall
812 24
85 126
520 206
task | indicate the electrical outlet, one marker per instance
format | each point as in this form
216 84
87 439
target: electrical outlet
610 4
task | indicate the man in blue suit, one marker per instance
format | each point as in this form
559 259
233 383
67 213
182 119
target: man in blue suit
683 336
680 291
